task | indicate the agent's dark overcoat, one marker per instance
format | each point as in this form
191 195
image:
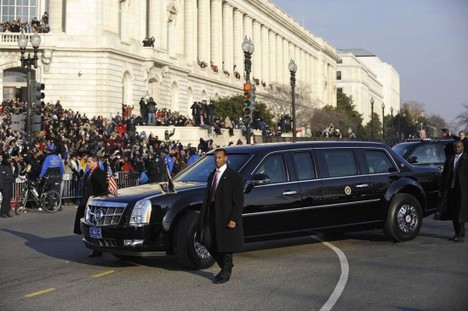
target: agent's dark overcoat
228 204
459 210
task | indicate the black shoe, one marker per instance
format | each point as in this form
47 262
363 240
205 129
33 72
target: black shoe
3 216
94 254
221 280
456 238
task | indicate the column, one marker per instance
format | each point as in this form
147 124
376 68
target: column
190 30
56 16
273 56
216 32
155 22
257 56
204 31
228 32
265 57
238 37
286 59
279 59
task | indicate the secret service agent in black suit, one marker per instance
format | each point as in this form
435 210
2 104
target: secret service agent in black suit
220 228
94 183
454 185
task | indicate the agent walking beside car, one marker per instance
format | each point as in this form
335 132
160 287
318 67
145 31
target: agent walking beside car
454 188
220 228
6 186
95 183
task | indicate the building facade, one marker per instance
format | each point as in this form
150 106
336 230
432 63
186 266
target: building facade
93 59
364 76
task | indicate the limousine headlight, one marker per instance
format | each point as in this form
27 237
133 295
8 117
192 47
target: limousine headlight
141 213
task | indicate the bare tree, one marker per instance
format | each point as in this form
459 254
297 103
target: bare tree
462 118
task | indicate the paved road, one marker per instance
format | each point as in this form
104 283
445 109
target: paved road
43 266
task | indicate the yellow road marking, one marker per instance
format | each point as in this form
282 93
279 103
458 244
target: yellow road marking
103 274
39 292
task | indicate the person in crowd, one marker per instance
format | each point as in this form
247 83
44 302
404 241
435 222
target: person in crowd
422 135
151 108
95 184
193 156
6 185
464 140
220 227
454 183
52 168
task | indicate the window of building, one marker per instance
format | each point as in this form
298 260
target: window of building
338 75
14 10
339 90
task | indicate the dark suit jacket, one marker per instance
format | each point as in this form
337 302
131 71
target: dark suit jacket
228 205
96 184
458 211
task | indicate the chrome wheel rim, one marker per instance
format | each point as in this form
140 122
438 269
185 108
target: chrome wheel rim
201 250
407 218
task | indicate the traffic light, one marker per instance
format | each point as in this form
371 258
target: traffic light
249 102
38 95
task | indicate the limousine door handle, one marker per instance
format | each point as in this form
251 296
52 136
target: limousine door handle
288 193
362 186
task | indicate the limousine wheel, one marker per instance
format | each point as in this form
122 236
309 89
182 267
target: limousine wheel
188 252
404 218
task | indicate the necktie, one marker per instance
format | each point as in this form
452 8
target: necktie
214 185
454 171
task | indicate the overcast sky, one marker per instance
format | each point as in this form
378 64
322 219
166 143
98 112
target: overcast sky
426 41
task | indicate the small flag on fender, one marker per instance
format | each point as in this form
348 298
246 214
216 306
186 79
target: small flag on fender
112 184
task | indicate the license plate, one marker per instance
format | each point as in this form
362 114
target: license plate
95 232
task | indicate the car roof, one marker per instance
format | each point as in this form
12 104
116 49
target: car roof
267 147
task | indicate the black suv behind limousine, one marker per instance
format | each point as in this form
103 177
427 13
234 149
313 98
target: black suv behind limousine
290 189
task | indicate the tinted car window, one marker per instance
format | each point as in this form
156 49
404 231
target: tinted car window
304 165
340 163
378 162
425 154
273 167
203 168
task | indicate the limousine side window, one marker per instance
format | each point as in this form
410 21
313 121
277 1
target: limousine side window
273 166
304 165
425 154
378 162
340 163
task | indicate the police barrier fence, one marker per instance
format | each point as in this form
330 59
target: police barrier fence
71 187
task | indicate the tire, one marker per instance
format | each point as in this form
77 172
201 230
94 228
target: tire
52 201
20 204
404 218
188 252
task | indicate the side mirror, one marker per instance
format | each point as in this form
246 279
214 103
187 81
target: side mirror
413 159
257 180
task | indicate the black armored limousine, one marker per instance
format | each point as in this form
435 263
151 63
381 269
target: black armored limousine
291 189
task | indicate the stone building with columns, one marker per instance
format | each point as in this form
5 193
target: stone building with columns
93 59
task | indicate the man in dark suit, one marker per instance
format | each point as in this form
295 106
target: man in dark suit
220 228
6 185
95 183
454 188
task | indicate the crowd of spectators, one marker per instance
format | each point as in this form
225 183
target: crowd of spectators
33 26
114 140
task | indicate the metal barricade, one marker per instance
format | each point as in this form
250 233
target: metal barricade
72 188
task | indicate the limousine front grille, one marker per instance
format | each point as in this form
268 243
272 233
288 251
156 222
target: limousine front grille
101 213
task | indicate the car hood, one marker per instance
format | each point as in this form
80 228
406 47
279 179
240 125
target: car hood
133 194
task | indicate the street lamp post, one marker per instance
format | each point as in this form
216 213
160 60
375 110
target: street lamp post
248 48
28 63
292 69
383 121
372 117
